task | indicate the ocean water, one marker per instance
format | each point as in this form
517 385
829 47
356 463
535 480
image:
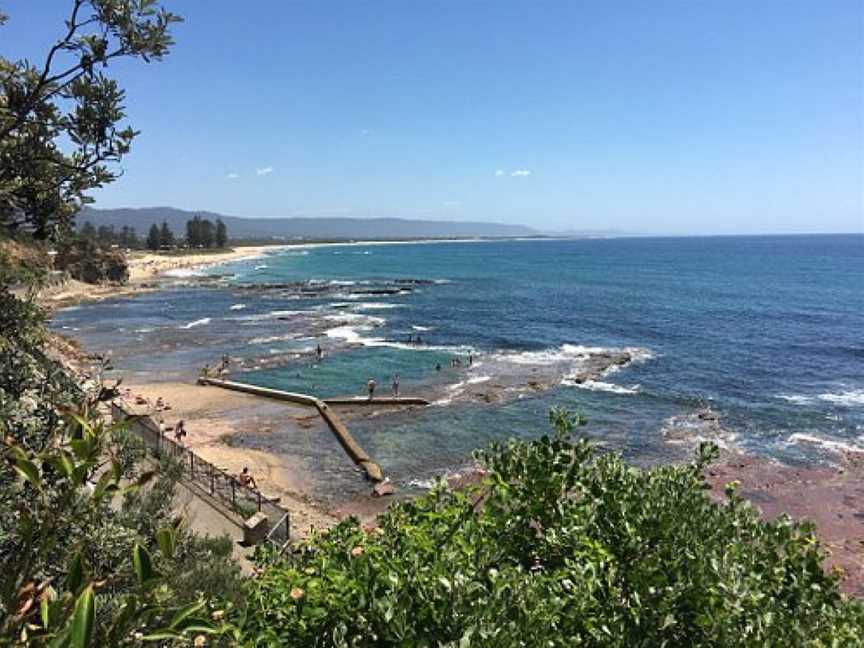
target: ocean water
766 333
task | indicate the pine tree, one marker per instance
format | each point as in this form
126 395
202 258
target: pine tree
166 236
221 234
192 235
154 240
208 236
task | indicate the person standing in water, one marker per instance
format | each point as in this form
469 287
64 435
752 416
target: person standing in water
370 385
319 352
396 385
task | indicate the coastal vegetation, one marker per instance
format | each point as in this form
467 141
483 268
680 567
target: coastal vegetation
556 543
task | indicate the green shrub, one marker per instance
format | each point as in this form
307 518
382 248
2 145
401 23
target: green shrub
88 544
558 546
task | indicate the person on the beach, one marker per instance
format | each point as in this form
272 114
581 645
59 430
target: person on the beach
226 362
370 385
438 367
245 478
470 359
319 352
396 385
180 432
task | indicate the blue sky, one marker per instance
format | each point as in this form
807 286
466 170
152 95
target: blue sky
653 117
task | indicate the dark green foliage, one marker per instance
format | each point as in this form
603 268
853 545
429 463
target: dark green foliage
201 233
221 234
166 236
60 120
558 546
82 518
153 238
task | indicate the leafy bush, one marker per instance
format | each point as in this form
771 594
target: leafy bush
557 546
89 551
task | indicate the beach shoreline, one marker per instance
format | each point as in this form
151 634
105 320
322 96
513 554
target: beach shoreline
831 496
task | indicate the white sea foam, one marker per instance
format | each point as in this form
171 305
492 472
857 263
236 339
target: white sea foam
262 266
347 333
570 353
237 307
848 398
272 338
336 282
827 444
425 484
599 385
146 329
422 328
369 320
199 322
478 379
271 315
184 273
692 430
376 306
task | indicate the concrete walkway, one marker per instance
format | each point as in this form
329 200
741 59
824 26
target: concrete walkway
207 516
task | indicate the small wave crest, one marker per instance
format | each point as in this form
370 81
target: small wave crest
599 385
831 445
198 322
847 398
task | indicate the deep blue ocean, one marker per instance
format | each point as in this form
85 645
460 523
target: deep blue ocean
766 333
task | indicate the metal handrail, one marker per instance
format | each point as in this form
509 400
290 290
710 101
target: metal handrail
218 482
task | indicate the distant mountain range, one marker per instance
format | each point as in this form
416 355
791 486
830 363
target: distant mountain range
306 228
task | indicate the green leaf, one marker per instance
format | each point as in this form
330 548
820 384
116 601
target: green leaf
82 619
44 612
167 539
104 485
184 614
75 575
63 463
143 564
28 470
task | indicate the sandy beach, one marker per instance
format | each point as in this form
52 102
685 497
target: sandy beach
146 273
146 266
216 421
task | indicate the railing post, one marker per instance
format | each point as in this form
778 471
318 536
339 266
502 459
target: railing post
233 495
192 462
259 501
212 481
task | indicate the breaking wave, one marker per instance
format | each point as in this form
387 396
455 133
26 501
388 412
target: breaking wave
198 322
848 398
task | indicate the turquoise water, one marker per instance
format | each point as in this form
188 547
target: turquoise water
766 332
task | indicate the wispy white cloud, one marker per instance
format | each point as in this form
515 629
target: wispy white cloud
264 171
520 173
499 172
233 176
